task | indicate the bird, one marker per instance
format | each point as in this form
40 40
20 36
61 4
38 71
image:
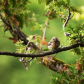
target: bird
54 43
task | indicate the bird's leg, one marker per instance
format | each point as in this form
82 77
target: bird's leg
55 53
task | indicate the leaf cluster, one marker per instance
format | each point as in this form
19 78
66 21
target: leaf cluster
76 35
74 75
15 11
20 48
58 8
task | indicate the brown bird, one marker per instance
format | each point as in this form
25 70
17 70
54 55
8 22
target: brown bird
54 43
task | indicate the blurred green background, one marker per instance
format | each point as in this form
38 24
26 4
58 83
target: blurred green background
12 70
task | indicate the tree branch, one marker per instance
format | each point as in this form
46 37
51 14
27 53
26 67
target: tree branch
42 54
68 17
15 31
48 61
66 22
17 34
4 21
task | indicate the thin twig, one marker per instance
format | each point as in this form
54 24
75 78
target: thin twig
4 21
46 25
72 15
22 60
67 19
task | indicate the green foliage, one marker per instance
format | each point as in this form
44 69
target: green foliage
16 11
19 47
57 8
60 78
35 39
46 1
77 34
72 76
76 9
36 26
